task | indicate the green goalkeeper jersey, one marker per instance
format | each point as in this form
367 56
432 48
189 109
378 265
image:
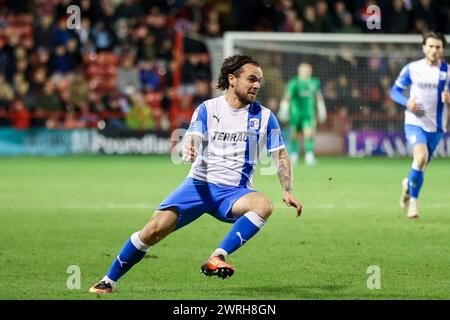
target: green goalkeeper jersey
303 96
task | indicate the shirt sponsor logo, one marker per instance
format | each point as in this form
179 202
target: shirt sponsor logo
230 137
427 85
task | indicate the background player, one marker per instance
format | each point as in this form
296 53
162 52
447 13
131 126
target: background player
302 96
234 128
425 112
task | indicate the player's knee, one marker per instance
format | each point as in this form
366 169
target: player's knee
421 161
152 233
264 208
155 230
149 233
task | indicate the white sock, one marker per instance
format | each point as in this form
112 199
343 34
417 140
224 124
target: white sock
137 242
416 166
108 280
309 155
219 251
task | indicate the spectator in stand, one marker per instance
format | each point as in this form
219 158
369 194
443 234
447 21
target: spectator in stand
61 34
60 10
181 112
167 99
147 47
41 57
123 32
324 17
79 92
128 76
128 9
425 11
20 116
91 9
149 75
192 70
192 44
212 25
397 18
6 93
84 35
21 66
102 38
73 54
48 107
347 25
330 93
340 11
48 100
22 90
140 115
311 24
71 121
115 114
291 18
38 79
343 88
20 53
7 60
165 50
59 61
202 92
108 10
43 32
420 26
157 22
298 25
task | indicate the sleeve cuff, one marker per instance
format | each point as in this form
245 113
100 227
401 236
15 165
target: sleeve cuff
271 150
195 133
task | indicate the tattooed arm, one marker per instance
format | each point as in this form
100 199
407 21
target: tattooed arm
284 172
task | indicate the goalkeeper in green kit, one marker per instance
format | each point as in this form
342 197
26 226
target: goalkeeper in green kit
302 97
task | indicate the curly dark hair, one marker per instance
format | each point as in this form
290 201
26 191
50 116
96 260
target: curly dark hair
434 35
232 65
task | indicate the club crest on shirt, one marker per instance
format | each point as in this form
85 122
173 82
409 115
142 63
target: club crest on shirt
253 124
442 75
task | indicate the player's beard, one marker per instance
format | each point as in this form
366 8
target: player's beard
245 97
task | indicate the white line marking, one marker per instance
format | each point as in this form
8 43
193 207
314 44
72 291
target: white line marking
140 206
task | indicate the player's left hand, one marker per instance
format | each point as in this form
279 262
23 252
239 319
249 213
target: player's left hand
189 153
290 201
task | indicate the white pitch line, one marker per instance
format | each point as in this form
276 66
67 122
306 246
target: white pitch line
385 205
81 206
140 206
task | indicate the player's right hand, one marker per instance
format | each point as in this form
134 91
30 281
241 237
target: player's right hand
189 153
414 107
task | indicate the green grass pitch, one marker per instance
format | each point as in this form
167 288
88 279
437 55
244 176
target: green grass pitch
64 211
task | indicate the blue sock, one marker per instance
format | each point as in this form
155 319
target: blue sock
415 181
132 252
243 229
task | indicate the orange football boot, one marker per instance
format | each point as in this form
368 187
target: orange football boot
216 266
101 287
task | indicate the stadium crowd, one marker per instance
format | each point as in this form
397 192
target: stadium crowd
142 64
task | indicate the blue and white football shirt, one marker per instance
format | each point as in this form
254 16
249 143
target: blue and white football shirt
427 83
232 141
